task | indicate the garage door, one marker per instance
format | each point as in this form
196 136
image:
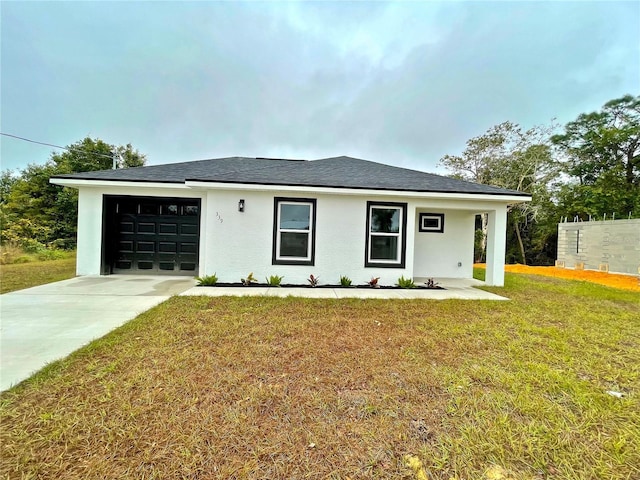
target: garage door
153 235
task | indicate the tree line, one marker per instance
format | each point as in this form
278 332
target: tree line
587 169
35 214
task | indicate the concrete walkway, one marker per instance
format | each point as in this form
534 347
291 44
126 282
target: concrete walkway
42 324
454 288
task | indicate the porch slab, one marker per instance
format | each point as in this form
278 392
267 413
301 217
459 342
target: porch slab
453 288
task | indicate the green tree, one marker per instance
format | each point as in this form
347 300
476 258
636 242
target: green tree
128 157
35 212
602 159
7 181
89 155
28 209
508 156
477 164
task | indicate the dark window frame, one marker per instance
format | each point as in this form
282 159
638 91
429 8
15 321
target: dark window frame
402 235
276 231
422 228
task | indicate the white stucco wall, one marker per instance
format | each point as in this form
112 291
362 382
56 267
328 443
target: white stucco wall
241 242
89 232
438 254
234 243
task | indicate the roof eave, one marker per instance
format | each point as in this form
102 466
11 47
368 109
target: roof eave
507 197
101 182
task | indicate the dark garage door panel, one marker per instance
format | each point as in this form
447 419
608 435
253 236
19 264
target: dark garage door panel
154 235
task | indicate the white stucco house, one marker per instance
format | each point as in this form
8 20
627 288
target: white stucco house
328 217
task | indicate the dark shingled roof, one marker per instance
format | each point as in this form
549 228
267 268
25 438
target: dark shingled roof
336 172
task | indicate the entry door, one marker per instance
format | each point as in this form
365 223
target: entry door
154 235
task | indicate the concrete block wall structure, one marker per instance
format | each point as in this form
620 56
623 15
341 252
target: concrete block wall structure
610 245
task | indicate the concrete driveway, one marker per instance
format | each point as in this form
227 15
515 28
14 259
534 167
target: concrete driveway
42 324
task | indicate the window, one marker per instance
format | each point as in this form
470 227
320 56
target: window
168 209
386 235
431 222
573 240
148 209
294 231
190 210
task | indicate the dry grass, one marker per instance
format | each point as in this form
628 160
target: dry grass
316 388
25 275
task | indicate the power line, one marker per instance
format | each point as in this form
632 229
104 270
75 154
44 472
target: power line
70 149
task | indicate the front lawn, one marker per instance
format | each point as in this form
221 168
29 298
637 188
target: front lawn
265 387
24 275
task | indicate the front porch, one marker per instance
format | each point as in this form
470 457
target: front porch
443 240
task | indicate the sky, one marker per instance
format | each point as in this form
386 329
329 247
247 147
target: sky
401 83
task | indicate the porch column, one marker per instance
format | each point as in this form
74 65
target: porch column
496 246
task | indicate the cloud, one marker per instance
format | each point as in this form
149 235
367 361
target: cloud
397 82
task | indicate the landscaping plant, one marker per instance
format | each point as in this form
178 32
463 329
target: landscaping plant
373 283
207 280
313 281
249 280
274 280
345 281
406 282
431 283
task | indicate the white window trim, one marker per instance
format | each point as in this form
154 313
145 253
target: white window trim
423 217
400 235
308 259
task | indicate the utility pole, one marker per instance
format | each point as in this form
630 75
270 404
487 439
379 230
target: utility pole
116 156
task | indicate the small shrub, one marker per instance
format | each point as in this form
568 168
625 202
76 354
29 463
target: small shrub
345 281
9 252
249 280
373 283
50 254
30 245
12 252
22 259
274 280
431 283
207 280
406 282
313 281
62 244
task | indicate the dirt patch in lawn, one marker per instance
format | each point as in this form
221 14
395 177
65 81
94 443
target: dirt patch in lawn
615 280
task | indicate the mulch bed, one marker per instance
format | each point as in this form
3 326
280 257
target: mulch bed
293 285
